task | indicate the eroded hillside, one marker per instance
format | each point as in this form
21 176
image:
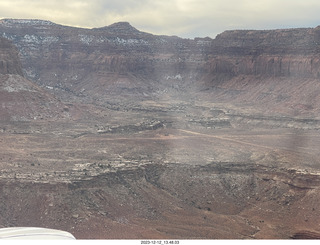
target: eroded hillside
116 133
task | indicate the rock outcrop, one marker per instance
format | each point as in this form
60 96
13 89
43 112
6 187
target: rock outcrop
288 52
9 60
306 235
276 71
267 68
21 99
117 57
123 49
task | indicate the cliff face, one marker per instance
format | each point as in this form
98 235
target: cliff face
120 48
292 52
266 68
20 99
117 59
9 60
276 71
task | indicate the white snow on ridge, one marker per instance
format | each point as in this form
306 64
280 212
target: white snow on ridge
39 39
88 39
32 39
14 84
176 77
9 22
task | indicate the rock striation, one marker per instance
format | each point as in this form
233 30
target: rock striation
119 60
121 48
285 52
86 58
21 99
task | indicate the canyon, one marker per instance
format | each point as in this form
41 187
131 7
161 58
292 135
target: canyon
114 133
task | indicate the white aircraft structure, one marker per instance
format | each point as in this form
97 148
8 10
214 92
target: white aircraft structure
34 233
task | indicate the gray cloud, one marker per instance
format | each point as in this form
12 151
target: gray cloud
186 18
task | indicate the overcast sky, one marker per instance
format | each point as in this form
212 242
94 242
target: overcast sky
184 18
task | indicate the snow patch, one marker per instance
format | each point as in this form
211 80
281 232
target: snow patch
14 84
86 39
10 22
40 39
176 77
130 41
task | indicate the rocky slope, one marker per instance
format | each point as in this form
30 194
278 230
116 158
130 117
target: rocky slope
276 69
116 133
9 60
20 99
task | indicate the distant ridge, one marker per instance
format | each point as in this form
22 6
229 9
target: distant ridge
118 27
10 22
122 27
120 60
